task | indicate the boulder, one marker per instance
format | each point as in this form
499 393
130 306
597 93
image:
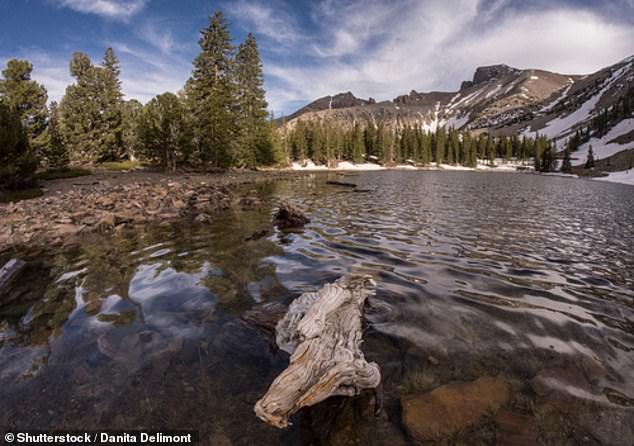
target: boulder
289 216
10 270
453 407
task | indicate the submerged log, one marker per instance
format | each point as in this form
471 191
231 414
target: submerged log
289 216
322 332
340 183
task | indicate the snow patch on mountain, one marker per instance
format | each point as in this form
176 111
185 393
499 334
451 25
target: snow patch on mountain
457 122
560 125
601 147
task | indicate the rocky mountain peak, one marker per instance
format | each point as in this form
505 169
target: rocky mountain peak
483 74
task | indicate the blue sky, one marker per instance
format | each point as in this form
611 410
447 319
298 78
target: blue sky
315 48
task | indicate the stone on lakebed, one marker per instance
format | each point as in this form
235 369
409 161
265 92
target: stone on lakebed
453 407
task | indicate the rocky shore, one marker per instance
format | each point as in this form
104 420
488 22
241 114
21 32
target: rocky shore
113 201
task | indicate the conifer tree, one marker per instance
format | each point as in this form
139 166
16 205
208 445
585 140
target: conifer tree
56 152
590 159
17 161
566 165
439 149
26 97
357 145
255 145
111 146
164 131
211 95
81 110
130 112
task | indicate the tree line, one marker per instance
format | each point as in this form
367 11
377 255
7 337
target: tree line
218 120
324 142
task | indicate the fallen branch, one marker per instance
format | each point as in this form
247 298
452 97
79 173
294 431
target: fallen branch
322 332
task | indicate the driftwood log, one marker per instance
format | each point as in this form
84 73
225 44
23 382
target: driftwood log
322 332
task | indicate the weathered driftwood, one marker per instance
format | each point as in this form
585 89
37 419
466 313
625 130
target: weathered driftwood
322 332
289 216
9 270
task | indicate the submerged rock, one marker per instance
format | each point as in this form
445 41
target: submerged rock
453 407
10 270
289 216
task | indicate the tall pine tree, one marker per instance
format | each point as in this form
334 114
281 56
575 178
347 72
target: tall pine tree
255 139
211 96
111 145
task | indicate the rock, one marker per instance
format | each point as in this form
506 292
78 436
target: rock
107 222
450 408
516 430
10 270
289 216
106 202
257 235
67 229
202 218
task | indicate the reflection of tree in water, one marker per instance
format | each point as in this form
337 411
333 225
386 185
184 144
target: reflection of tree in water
115 293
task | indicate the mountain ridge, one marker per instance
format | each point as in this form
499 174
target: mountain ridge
499 99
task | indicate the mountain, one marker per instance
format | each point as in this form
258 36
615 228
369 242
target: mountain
501 100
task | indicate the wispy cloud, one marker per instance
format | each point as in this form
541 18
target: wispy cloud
266 20
153 34
113 9
383 50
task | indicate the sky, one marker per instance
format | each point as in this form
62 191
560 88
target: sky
310 49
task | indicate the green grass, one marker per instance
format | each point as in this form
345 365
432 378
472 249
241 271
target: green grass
54 174
119 166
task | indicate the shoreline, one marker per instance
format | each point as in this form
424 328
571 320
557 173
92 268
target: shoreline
112 201
618 177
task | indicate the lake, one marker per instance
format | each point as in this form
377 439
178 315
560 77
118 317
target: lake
522 276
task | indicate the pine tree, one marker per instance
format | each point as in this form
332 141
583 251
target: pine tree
26 97
56 152
80 110
590 159
491 151
566 165
440 146
255 132
17 161
358 147
164 131
130 112
111 146
211 95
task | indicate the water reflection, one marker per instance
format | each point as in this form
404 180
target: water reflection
528 277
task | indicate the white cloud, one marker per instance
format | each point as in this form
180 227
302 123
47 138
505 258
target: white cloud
152 34
383 50
114 9
275 24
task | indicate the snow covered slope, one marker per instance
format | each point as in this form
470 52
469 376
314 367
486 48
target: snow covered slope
500 99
